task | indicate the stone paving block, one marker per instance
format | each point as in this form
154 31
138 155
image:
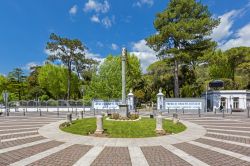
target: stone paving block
19 127
22 123
19 142
230 132
18 130
229 125
230 147
18 135
216 121
211 157
159 156
230 138
66 157
228 128
113 156
16 155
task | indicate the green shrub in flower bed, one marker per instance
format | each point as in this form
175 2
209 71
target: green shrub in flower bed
117 116
145 127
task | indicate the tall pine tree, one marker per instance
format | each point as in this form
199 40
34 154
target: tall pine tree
183 31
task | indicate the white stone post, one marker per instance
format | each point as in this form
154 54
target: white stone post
131 101
99 124
69 118
160 100
159 129
175 118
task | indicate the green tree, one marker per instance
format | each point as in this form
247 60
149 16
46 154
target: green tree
182 27
230 66
53 79
158 76
3 85
106 83
218 66
70 52
237 56
17 83
34 89
244 69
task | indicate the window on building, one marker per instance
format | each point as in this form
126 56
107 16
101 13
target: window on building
223 102
235 102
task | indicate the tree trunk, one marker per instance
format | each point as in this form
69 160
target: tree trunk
19 94
176 79
69 82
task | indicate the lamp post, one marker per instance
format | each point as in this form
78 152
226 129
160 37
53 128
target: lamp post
83 104
206 99
5 98
36 103
248 108
230 101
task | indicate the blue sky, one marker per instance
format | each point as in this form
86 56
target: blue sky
104 26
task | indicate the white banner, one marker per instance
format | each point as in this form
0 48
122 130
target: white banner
102 105
182 105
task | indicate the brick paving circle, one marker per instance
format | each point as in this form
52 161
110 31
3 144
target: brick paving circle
225 142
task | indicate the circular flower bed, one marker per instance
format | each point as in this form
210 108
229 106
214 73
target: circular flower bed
122 129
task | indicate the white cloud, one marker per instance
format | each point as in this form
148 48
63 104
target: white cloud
226 36
114 46
224 30
29 65
88 54
242 38
146 55
73 10
93 5
107 22
94 56
95 19
99 9
100 44
140 3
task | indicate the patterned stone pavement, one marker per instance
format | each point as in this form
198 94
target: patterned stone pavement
226 143
159 156
113 156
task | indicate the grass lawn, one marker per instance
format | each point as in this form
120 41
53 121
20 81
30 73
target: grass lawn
123 129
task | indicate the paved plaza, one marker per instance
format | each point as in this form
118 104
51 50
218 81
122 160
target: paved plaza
33 140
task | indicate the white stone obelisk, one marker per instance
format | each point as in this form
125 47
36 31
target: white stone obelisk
124 55
123 106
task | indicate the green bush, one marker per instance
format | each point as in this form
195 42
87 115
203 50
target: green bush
115 116
44 98
65 124
133 116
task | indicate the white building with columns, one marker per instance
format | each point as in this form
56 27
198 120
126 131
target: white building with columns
236 100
